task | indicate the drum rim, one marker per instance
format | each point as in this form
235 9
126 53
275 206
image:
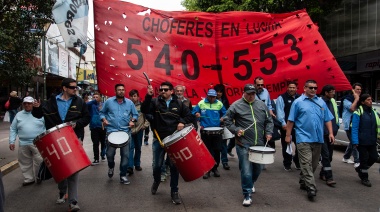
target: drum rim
270 150
191 127
38 137
219 128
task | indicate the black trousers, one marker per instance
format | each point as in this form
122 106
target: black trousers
368 156
288 158
326 153
98 136
213 143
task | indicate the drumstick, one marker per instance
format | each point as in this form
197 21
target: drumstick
146 77
250 125
158 137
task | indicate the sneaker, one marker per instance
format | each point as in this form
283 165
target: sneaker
226 166
163 177
216 173
366 183
61 199
103 158
154 187
206 176
231 154
247 201
74 206
287 168
130 171
175 198
356 165
110 172
330 182
95 162
138 168
347 161
311 194
124 180
253 189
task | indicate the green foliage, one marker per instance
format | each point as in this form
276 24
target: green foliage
21 27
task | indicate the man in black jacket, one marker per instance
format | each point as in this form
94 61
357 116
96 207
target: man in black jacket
169 114
65 107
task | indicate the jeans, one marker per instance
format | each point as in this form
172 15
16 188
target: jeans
308 154
98 136
124 154
249 171
223 153
368 156
135 149
351 149
12 114
158 160
327 153
70 185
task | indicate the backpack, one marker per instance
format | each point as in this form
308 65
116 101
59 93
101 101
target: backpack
7 104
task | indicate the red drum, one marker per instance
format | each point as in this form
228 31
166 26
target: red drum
188 152
62 152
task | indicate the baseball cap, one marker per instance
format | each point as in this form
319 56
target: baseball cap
28 99
211 92
249 88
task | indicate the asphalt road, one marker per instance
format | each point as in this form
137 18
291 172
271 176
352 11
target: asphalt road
276 189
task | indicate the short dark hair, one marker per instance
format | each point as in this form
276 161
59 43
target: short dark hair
363 97
66 82
117 85
357 84
310 81
97 93
168 84
133 92
327 88
292 83
219 88
257 78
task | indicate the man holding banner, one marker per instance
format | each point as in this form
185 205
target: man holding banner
169 114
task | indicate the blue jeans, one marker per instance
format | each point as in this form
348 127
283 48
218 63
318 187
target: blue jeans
12 114
223 153
124 153
249 171
351 149
135 149
158 160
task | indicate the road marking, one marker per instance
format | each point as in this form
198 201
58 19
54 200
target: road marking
4 139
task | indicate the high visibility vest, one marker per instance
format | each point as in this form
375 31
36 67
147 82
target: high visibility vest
359 112
335 106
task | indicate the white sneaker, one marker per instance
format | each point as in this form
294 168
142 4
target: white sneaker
356 165
247 201
74 206
62 199
253 189
347 161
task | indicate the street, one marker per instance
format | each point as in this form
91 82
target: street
276 189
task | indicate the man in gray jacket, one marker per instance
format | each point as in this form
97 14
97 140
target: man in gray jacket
249 119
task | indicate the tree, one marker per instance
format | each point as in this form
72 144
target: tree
317 9
21 28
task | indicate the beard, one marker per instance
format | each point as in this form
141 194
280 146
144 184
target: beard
180 96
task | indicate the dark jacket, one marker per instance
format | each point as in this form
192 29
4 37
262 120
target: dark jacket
365 124
78 112
165 120
14 103
93 108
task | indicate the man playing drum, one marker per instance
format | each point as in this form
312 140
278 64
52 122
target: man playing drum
210 112
169 114
119 114
65 107
249 119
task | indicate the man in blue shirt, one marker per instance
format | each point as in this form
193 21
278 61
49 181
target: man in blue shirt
309 114
119 114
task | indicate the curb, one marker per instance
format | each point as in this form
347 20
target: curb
7 168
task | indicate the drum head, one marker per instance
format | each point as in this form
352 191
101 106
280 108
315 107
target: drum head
118 137
177 136
261 149
213 128
51 130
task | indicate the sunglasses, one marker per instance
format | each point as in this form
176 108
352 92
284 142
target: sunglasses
313 88
164 89
259 85
72 87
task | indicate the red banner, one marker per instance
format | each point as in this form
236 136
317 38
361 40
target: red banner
200 50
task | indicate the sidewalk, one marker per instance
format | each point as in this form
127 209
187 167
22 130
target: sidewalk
8 158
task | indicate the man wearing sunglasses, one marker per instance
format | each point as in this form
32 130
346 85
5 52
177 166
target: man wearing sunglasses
62 108
169 114
263 94
309 114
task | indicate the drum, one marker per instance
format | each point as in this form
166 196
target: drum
189 154
62 152
213 130
227 134
118 139
261 155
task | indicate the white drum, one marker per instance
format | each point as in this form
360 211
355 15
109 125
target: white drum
261 155
227 134
118 139
213 130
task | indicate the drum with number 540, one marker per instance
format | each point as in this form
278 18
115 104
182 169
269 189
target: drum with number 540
189 154
62 151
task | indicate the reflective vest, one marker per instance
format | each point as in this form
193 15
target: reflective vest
335 106
359 112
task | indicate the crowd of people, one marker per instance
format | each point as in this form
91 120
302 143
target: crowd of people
308 121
